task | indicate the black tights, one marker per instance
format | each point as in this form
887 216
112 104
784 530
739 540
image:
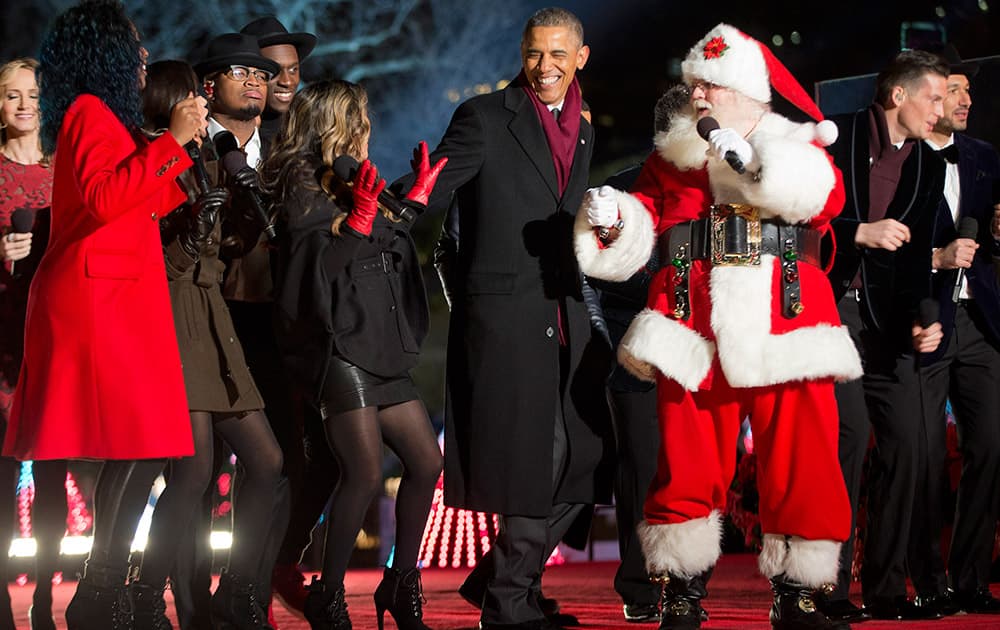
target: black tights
252 441
48 520
356 438
119 500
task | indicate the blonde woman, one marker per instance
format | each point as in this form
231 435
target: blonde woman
25 185
352 313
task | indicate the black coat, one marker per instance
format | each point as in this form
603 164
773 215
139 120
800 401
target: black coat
893 283
978 174
513 270
362 298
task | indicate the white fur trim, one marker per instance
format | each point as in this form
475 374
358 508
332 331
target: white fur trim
795 177
826 132
671 347
681 145
627 253
811 563
682 549
741 320
740 67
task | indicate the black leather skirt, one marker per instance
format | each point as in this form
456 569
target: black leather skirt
349 387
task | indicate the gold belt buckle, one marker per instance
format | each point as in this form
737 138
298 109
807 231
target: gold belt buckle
724 216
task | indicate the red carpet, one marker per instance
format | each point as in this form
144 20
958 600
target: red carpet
738 599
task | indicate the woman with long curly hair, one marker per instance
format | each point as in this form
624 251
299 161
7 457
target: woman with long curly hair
25 186
352 313
222 396
101 377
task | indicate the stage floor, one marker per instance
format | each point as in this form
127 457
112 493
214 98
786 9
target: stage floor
739 598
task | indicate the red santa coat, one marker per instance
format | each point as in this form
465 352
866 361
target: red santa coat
101 377
736 321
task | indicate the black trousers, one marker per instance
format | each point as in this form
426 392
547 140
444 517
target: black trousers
638 437
523 545
886 400
968 374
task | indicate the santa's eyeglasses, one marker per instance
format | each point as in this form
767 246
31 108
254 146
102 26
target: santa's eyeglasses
242 73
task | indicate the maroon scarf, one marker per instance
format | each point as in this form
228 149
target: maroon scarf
563 134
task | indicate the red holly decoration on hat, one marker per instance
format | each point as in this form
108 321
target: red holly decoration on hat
715 48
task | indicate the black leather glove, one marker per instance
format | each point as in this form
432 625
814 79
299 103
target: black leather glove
204 216
247 178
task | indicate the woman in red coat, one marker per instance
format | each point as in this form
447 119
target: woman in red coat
101 377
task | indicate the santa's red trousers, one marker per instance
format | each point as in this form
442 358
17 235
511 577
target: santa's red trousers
795 430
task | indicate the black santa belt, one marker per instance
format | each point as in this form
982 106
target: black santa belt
733 235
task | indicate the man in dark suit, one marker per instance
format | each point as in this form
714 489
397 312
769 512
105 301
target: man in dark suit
881 273
964 369
527 432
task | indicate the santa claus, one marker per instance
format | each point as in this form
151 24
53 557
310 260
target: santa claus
741 321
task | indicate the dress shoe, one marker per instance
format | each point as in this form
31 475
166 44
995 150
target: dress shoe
641 613
842 610
979 601
943 603
899 609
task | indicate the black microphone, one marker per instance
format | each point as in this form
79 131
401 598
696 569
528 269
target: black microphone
233 162
346 169
928 312
21 221
968 227
200 174
706 126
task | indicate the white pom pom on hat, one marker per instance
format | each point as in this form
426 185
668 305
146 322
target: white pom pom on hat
728 57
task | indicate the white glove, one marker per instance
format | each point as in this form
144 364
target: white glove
722 141
601 205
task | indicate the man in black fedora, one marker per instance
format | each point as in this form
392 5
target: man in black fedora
964 369
298 426
288 50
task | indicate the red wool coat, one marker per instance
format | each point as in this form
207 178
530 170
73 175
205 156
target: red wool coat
101 377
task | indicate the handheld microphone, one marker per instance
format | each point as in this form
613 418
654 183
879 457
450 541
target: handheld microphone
200 174
968 227
233 162
21 221
705 127
928 312
346 168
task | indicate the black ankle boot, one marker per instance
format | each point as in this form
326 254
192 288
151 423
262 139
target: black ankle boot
101 601
235 605
403 596
40 613
325 608
149 610
681 605
794 607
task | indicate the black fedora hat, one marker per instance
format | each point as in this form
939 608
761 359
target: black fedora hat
270 32
233 49
949 53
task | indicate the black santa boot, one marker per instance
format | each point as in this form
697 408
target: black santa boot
794 607
681 603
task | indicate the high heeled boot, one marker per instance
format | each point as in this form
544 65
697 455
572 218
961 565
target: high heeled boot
325 607
235 605
402 595
40 612
149 610
101 601
794 607
681 604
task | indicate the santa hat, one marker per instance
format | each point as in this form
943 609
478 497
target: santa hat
728 57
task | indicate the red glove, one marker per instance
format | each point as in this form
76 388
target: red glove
426 175
367 187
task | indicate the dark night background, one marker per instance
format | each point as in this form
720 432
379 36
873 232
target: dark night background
419 58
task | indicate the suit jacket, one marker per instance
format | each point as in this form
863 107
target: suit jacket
893 283
101 377
514 271
978 172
